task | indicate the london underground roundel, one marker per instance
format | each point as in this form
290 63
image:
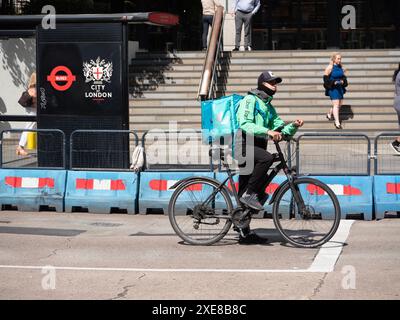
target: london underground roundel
61 78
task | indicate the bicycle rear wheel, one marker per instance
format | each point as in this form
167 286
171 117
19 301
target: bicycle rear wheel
199 213
319 220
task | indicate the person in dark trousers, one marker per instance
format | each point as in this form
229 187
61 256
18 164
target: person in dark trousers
396 79
335 83
244 11
209 8
258 120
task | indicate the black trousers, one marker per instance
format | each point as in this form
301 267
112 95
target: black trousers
254 154
207 22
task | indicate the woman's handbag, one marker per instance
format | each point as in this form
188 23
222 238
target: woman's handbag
25 100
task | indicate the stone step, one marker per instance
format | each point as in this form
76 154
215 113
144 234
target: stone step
309 73
266 61
322 109
301 94
313 117
286 87
293 74
314 53
375 102
269 53
249 60
250 81
273 67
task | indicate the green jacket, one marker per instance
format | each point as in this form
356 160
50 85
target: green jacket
259 126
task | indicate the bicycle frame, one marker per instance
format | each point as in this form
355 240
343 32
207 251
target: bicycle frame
278 157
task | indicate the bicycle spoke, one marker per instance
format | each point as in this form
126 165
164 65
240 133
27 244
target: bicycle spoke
194 220
317 223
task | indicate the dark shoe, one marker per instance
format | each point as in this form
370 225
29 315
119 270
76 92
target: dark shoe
251 200
338 126
329 117
395 146
252 238
236 49
204 49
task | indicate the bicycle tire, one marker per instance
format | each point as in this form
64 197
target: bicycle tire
288 235
174 216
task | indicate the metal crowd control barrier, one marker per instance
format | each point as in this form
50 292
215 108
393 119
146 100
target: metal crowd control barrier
342 161
23 185
112 150
180 151
338 159
387 176
44 141
386 161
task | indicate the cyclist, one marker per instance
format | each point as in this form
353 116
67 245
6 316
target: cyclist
257 120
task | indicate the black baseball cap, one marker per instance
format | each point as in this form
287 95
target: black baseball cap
268 76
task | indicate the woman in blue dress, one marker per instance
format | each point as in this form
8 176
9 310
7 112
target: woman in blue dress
335 83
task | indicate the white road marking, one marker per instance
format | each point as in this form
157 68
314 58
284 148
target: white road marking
329 253
323 262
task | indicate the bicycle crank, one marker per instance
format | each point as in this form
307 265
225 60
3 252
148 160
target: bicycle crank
241 219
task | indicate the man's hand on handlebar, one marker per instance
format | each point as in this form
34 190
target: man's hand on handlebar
298 123
275 135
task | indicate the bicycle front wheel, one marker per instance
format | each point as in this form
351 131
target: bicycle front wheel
316 223
200 213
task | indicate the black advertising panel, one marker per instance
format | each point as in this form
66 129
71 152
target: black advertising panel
82 84
81 78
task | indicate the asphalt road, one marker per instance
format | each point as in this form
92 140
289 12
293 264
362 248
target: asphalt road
48 255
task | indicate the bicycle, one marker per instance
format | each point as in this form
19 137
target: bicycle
306 212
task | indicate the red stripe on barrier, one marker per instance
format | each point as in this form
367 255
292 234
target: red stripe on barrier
13 181
313 189
351 191
271 188
16 182
194 187
117 185
158 185
80 183
43 182
236 186
393 188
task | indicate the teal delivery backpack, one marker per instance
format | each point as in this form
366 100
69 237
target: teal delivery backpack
218 118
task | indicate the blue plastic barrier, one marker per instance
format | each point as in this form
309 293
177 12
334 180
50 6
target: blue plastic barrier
32 190
101 192
386 195
154 192
270 190
354 194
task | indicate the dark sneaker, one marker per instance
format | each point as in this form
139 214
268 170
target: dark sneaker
252 238
251 200
395 146
236 49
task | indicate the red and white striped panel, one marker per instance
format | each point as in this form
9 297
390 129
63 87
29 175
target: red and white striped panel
393 188
29 182
270 189
164 185
100 184
338 189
